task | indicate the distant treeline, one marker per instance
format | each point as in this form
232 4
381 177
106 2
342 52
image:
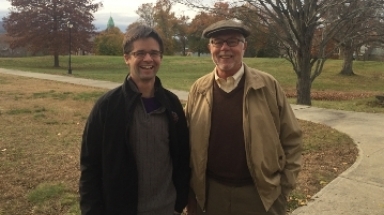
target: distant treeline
2 30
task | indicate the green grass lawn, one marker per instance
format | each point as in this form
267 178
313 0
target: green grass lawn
355 93
41 165
41 125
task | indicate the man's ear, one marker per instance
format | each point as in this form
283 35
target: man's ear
126 58
245 45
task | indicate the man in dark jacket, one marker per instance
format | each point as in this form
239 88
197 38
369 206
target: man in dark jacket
135 152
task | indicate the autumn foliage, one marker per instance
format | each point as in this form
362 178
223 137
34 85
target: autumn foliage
109 42
41 26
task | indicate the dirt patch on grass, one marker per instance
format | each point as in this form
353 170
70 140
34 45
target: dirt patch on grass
41 126
331 95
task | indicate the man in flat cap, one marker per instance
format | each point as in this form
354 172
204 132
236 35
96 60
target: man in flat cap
245 141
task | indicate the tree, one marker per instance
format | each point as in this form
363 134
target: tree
202 20
261 43
172 30
133 25
146 14
195 30
294 24
41 26
166 24
2 30
181 29
366 28
109 42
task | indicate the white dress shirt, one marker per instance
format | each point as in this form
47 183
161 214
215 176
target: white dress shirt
231 82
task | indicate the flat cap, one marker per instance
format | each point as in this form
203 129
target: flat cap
225 25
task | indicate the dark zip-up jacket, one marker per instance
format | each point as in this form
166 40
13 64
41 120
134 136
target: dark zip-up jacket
109 176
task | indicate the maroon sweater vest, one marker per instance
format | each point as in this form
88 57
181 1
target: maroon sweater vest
226 152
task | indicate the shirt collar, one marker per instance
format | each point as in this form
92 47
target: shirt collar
237 76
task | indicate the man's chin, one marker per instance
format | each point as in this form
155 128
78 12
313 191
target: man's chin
147 77
225 67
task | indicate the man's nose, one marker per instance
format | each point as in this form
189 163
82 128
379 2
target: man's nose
225 46
147 57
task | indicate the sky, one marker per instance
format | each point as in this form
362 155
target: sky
122 12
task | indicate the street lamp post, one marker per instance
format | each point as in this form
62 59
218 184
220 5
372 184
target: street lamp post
69 25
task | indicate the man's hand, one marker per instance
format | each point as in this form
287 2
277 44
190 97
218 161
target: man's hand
192 205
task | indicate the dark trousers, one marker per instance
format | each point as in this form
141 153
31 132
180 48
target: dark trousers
245 200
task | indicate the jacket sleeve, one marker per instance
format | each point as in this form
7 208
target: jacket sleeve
291 141
90 184
183 173
189 105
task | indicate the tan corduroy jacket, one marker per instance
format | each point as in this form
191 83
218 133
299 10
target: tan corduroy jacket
273 138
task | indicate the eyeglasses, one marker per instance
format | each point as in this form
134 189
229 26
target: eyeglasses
141 54
231 42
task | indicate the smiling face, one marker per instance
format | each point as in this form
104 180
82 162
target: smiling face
144 67
228 59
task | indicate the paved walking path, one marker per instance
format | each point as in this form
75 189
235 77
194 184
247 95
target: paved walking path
360 189
357 191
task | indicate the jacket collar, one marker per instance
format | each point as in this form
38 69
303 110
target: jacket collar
253 79
130 88
131 92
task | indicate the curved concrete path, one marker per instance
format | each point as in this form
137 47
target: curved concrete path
360 189
357 191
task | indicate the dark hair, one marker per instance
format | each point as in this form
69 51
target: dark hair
140 32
